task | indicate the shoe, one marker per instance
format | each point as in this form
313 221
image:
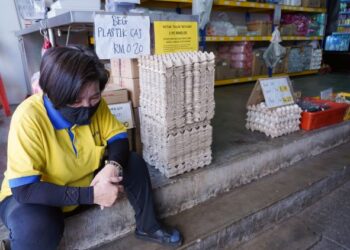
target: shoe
5 245
168 237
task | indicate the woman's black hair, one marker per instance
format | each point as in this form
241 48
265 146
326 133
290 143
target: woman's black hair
64 71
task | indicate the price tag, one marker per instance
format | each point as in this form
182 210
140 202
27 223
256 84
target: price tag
276 91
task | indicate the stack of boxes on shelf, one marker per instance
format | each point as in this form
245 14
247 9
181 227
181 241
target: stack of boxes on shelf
124 79
234 61
177 104
299 59
316 59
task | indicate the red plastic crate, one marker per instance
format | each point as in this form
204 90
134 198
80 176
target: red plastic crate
314 120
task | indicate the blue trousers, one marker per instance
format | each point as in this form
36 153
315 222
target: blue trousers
40 227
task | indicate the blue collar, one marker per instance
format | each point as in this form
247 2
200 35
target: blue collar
55 116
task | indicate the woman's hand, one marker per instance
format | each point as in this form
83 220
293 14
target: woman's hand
107 172
106 192
106 188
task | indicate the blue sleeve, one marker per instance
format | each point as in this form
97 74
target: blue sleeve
45 193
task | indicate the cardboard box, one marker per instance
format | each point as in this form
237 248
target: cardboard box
224 72
259 67
133 87
115 96
262 28
125 68
311 3
124 113
288 29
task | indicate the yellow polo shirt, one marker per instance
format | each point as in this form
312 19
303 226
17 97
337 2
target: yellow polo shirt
43 146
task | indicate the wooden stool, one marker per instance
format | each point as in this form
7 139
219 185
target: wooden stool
3 99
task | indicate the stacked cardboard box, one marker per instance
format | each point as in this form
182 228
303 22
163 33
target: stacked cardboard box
125 74
177 104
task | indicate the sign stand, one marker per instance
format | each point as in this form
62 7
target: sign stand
275 91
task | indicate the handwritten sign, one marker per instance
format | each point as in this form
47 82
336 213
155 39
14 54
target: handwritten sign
122 36
276 92
175 36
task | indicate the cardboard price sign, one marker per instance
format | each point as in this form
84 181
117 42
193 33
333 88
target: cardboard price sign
173 36
121 36
276 91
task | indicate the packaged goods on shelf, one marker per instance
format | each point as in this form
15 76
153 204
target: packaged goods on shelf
316 59
299 58
176 106
259 66
288 29
221 28
273 122
237 58
311 3
290 2
301 21
260 28
338 42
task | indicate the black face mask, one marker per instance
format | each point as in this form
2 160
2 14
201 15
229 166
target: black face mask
79 116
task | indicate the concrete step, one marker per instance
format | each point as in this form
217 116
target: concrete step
323 225
229 170
227 221
96 227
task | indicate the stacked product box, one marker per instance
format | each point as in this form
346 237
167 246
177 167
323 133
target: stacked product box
176 107
316 59
125 74
299 59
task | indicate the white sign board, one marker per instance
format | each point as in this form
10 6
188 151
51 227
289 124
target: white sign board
121 36
326 94
32 10
276 92
123 113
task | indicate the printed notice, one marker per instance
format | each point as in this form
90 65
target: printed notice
121 36
172 36
276 92
123 113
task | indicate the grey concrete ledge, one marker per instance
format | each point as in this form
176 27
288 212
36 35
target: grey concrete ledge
95 227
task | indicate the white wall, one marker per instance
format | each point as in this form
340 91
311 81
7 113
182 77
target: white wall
11 68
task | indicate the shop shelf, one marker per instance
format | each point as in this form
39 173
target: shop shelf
333 115
259 38
244 4
301 38
303 9
237 38
344 13
343 25
254 78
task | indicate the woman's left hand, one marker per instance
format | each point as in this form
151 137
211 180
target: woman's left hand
108 173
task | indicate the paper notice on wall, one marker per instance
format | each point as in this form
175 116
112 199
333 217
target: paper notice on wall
173 36
121 36
277 91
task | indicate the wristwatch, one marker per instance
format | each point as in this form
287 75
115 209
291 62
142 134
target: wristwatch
117 165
